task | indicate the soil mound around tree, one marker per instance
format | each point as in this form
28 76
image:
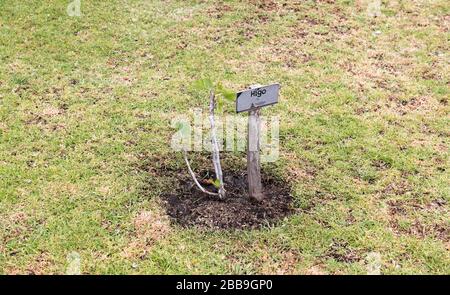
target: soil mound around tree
188 206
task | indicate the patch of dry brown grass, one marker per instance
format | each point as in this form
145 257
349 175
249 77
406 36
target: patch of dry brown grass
149 228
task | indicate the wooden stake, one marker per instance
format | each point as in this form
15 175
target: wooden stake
253 158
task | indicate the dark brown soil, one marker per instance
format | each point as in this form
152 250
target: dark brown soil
188 206
340 251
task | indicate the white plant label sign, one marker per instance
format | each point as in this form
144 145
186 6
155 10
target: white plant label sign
257 97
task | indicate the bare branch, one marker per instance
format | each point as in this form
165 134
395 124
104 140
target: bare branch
195 178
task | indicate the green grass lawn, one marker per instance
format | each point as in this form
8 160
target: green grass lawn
85 110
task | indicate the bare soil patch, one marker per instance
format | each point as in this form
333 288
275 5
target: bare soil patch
418 228
342 252
188 206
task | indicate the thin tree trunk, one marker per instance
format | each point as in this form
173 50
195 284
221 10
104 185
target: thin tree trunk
215 146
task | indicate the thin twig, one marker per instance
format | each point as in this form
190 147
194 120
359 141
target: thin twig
215 146
195 178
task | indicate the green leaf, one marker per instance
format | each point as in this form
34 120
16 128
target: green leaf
203 84
216 183
182 127
228 94
219 104
178 125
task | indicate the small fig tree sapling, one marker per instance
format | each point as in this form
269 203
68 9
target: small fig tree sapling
217 93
